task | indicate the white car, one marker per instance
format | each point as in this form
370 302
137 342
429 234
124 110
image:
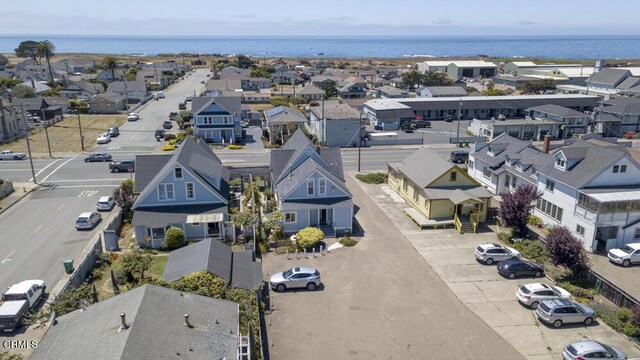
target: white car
533 294
188 98
88 220
626 255
490 253
133 117
105 203
103 138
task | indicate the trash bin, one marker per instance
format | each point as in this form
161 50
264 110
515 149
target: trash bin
68 266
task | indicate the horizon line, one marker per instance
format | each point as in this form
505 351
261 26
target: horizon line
322 36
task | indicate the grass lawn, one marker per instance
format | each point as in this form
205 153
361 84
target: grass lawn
64 136
260 107
157 265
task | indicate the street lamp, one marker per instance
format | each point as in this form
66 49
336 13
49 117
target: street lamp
26 132
360 140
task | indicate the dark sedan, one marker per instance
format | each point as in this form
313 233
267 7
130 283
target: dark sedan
97 157
514 267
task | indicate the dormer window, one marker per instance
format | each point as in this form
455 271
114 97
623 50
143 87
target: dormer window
519 166
619 169
177 173
560 163
453 176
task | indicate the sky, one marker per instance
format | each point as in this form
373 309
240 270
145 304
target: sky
315 18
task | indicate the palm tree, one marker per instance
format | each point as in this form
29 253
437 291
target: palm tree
47 50
110 63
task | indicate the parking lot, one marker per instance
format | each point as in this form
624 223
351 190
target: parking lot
487 294
380 300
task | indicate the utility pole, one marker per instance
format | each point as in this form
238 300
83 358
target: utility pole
26 131
459 116
80 128
360 140
46 131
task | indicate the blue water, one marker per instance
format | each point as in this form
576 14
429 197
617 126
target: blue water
570 47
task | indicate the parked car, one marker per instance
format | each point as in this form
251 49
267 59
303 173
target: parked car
590 349
459 156
159 133
105 203
160 95
244 124
626 255
173 115
188 98
88 220
202 82
515 267
97 157
167 124
560 312
133 117
296 277
182 106
533 294
490 253
103 138
124 166
18 300
113 131
10 155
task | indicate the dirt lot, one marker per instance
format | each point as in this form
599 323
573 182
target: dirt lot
64 135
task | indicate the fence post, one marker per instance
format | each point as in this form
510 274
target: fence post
297 254
314 252
287 254
321 250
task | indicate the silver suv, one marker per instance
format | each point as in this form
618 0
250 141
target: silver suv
532 294
296 277
490 253
590 349
559 312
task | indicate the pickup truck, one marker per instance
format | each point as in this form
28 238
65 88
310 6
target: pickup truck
18 300
10 155
122 166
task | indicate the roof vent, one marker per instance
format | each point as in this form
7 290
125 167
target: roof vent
123 320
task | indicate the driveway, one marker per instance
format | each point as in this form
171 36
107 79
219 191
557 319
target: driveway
627 279
380 300
252 138
484 292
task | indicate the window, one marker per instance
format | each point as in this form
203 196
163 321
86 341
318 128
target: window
550 185
165 192
191 194
405 184
415 193
310 187
289 217
486 173
636 235
580 230
560 163
549 209
207 120
177 173
225 120
623 168
615 169
322 186
453 176
507 180
157 232
513 182
470 165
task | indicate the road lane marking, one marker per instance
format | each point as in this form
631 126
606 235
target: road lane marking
60 207
56 169
27 169
7 258
87 180
45 168
38 228
83 186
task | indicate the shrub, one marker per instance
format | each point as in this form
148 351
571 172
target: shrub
566 250
234 147
635 310
516 207
309 237
505 235
347 241
532 249
169 137
578 291
534 220
174 238
373 178
122 276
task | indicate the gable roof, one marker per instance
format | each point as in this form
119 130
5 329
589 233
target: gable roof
231 104
237 267
391 90
310 90
127 86
628 83
155 316
445 90
413 166
225 84
284 115
609 76
333 110
556 110
622 106
502 146
147 166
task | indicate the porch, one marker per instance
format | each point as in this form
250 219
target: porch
217 136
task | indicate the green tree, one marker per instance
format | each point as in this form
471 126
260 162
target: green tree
136 261
7 83
279 101
433 78
244 62
538 87
412 79
263 72
297 100
53 92
125 196
24 91
28 49
330 90
183 119
309 237
104 83
47 50
110 64
73 299
243 219
174 238
202 283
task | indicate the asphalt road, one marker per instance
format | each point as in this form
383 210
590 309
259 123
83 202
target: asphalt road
38 233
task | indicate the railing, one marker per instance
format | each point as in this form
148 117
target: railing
475 220
457 223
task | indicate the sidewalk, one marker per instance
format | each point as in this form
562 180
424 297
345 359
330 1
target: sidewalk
20 190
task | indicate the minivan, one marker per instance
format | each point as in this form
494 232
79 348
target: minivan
459 156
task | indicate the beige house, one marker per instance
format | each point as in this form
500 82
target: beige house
439 192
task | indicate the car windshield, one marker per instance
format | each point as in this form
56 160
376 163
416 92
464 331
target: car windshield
544 307
608 348
572 350
287 274
627 249
525 290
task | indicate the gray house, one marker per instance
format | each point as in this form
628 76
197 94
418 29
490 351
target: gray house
310 188
217 119
572 122
189 189
134 91
441 91
284 120
238 267
608 78
340 125
149 322
107 103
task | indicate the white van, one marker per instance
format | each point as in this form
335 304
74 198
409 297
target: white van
160 95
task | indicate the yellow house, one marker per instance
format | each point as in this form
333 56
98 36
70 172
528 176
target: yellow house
439 192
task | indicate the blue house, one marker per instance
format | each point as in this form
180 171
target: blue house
310 188
188 189
217 119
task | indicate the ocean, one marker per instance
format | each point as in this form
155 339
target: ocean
569 47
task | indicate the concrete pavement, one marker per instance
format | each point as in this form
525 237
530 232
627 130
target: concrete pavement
627 279
483 291
20 190
380 300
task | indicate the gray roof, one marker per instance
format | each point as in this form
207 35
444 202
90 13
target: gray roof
225 84
161 216
591 160
502 146
231 104
557 110
35 103
391 90
622 106
155 316
526 162
239 267
131 86
310 90
108 96
628 83
424 166
335 111
284 115
147 166
446 90
609 76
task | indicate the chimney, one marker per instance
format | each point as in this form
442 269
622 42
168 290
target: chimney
186 321
546 144
123 320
